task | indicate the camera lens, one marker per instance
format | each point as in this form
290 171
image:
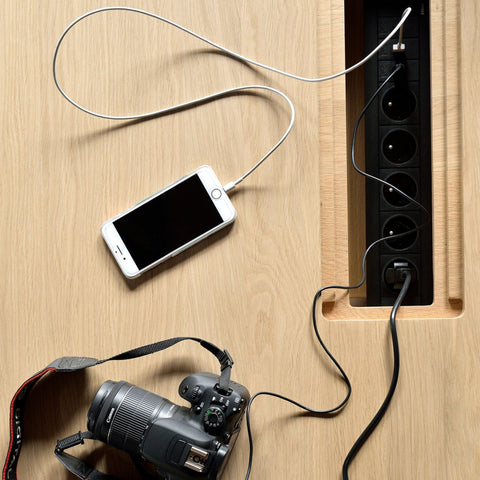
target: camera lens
120 413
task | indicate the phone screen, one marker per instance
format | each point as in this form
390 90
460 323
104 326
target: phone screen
168 221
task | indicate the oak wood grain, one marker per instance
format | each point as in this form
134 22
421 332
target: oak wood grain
250 288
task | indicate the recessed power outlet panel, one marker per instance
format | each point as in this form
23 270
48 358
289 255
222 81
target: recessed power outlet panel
398 149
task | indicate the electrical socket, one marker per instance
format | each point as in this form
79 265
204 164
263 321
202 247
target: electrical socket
398 149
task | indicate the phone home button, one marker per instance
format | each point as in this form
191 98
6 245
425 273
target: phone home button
216 193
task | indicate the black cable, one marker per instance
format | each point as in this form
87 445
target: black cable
371 426
393 384
324 413
333 411
340 406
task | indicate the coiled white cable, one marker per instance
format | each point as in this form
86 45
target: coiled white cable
217 95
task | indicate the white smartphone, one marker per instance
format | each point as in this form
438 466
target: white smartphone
168 222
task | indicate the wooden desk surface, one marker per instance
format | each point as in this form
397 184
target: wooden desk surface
248 290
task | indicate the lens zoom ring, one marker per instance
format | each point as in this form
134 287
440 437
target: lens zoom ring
132 417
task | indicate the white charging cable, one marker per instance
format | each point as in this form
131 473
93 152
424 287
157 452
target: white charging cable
192 103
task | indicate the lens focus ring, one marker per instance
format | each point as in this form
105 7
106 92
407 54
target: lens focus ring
132 417
120 413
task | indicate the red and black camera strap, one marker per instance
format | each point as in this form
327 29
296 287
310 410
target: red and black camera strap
74 364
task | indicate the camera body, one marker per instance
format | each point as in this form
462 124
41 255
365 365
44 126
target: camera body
179 442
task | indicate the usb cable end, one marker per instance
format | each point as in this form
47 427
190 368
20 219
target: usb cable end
229 186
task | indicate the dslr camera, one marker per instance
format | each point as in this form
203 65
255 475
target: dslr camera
175 442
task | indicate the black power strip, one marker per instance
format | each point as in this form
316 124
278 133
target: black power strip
398 149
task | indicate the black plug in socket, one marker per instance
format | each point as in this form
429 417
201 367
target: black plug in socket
395 275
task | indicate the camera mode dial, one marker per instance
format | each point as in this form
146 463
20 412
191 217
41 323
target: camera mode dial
214 418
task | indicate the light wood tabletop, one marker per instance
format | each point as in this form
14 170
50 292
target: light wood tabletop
250 288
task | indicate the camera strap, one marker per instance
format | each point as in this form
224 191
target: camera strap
74 364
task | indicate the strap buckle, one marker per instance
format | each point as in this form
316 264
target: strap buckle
71 441
225 360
